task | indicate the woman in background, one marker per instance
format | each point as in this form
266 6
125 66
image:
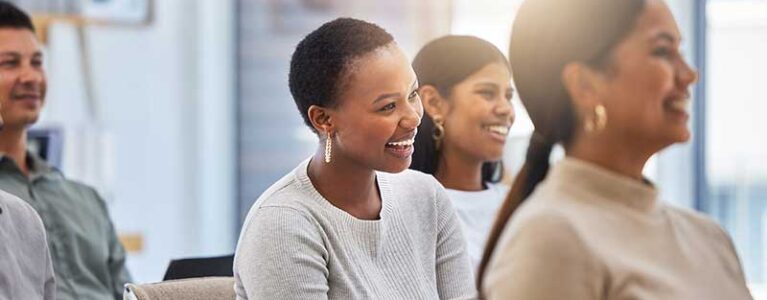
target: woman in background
466 92
351 222
605 79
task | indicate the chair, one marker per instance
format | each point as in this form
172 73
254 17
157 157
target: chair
200 267
205 288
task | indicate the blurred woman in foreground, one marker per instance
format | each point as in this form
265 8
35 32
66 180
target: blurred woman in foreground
605 79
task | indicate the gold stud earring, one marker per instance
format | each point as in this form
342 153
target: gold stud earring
439 131
328 147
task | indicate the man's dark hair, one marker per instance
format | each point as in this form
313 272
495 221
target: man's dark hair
321 62
13 17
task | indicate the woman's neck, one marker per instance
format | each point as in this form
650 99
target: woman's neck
457 172
612 154
346 185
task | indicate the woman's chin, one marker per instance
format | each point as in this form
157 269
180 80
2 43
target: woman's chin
395 167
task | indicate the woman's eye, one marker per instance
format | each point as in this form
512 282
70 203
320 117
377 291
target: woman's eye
489 95
387 107
509 96
661 52
413 95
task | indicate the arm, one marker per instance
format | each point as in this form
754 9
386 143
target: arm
454 275
733 265
49 286
543 259
118 273
49 278
281 255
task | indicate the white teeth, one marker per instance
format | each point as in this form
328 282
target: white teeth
402 143
680 105
502 130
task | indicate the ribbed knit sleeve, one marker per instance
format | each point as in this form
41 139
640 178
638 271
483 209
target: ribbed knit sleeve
281 256
453 265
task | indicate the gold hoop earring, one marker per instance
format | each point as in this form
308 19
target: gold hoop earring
328 147
439 131
600 120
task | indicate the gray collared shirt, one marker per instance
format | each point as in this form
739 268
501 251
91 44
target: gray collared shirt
26 271
88 259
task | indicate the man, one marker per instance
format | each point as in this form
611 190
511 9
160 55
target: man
26 271
88 260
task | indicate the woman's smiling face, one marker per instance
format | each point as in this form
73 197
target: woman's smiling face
378 111
480 114
646 91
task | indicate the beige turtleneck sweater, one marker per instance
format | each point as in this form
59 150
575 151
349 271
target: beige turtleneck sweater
588 233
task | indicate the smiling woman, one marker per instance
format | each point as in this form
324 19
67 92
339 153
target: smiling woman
466 90
607 81
351 222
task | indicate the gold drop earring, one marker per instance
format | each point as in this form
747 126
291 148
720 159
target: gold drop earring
600 120
328 147
439 131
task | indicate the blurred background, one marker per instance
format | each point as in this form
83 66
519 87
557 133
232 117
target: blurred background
178 111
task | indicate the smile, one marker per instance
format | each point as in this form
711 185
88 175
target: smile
678 105
26 97
403 148
497 129
405 143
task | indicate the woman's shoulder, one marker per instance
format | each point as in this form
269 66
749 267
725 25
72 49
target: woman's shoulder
16 206
289 195
539 229
23 216
694 221
283 192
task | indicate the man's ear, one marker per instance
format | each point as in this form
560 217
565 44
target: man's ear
583 84
433 103
321 119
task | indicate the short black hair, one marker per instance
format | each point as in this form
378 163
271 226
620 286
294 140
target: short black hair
13 17
321 60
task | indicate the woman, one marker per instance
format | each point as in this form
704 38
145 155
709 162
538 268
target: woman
348 223
466 92
605 79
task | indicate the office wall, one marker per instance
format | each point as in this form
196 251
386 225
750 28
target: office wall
160 144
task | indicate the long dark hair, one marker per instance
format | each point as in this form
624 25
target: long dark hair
547 35
443 63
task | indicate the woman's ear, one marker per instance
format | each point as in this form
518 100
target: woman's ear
433 103
583 84
321 119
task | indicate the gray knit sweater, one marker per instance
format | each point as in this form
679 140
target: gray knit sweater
297 245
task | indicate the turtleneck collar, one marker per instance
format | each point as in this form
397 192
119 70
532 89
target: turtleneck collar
585 176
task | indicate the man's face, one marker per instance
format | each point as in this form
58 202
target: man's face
22 78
